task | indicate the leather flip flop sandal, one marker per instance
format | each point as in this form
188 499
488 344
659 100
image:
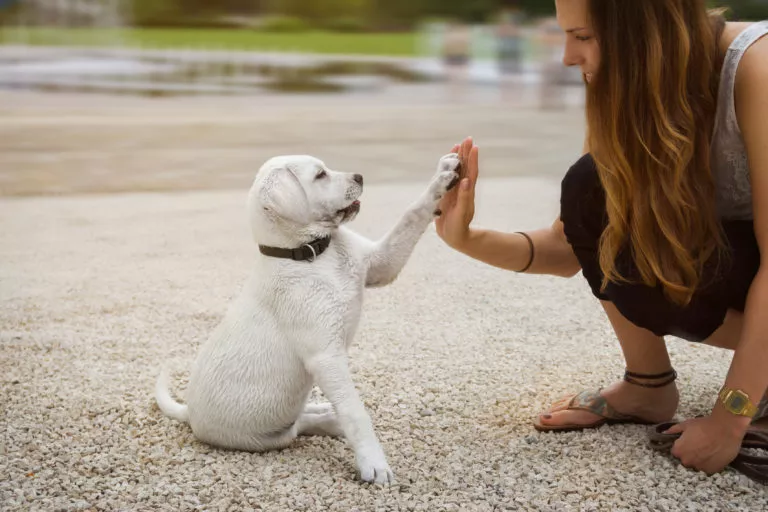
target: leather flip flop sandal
754 467
591 401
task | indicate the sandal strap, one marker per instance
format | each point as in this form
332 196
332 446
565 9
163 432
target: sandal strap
594 402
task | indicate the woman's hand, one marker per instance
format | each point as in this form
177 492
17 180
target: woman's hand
458 206
707 444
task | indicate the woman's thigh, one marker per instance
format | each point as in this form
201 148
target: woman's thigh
727 281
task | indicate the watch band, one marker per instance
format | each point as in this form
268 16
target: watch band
737 402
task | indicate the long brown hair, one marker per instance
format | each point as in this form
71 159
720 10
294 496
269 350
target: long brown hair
650 114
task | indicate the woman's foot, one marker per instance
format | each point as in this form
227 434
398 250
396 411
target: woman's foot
656 405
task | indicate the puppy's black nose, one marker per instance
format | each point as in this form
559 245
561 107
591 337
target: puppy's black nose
358 178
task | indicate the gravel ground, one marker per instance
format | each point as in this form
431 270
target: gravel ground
453 362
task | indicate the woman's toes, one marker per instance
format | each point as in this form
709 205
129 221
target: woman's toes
568 417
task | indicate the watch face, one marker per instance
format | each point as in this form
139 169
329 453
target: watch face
738 402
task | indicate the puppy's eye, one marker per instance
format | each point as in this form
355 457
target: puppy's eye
321 174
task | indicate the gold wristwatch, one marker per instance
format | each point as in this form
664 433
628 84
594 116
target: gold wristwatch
737 402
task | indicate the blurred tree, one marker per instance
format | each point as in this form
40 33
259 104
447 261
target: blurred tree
242 6
397 14
385 14
752 10
463 10
534 8
321 9
149 11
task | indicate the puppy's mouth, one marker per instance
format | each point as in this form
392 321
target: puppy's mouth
351 209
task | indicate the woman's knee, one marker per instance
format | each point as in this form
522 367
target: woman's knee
582 202
582 212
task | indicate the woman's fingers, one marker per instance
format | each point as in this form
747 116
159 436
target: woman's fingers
466 146
464 151
473 166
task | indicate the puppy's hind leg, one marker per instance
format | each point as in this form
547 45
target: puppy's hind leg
307 424
323 424
315 408
274 441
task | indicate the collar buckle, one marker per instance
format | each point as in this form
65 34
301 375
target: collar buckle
307 252
314 254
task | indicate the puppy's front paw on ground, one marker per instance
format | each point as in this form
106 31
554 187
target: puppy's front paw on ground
447 175
375 471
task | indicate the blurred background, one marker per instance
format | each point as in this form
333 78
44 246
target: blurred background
122 95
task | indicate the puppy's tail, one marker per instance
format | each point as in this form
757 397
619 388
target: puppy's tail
166 403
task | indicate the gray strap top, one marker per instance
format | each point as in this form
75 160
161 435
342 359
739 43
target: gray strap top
728 154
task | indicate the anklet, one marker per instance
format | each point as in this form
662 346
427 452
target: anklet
669 377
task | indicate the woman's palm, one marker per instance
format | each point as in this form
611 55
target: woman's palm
457 206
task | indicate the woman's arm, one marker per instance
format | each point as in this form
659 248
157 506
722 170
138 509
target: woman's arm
749 368
511 251
552 253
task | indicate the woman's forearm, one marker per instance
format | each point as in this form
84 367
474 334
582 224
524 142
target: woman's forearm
511 251
749 368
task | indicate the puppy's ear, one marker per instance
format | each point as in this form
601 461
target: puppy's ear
284 196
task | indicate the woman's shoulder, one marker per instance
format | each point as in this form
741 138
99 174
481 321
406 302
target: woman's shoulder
731 32
733 29
753 65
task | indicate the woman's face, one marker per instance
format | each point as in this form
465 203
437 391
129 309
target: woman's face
581 48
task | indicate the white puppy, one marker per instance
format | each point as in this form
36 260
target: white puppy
296 316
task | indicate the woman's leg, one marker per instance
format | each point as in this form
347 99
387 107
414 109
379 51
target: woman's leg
644 353
728 334
713 316
583 215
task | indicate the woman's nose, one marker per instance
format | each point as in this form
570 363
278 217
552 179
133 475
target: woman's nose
571 57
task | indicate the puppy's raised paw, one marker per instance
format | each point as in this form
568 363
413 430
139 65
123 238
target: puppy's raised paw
447 175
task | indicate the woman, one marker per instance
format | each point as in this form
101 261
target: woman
665 214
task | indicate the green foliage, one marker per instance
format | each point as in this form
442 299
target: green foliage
345 24
354 15
536 8
282 23
8 13
748 10
320 10
312 41
147 12
465 10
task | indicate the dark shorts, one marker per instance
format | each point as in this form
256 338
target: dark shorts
582 211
